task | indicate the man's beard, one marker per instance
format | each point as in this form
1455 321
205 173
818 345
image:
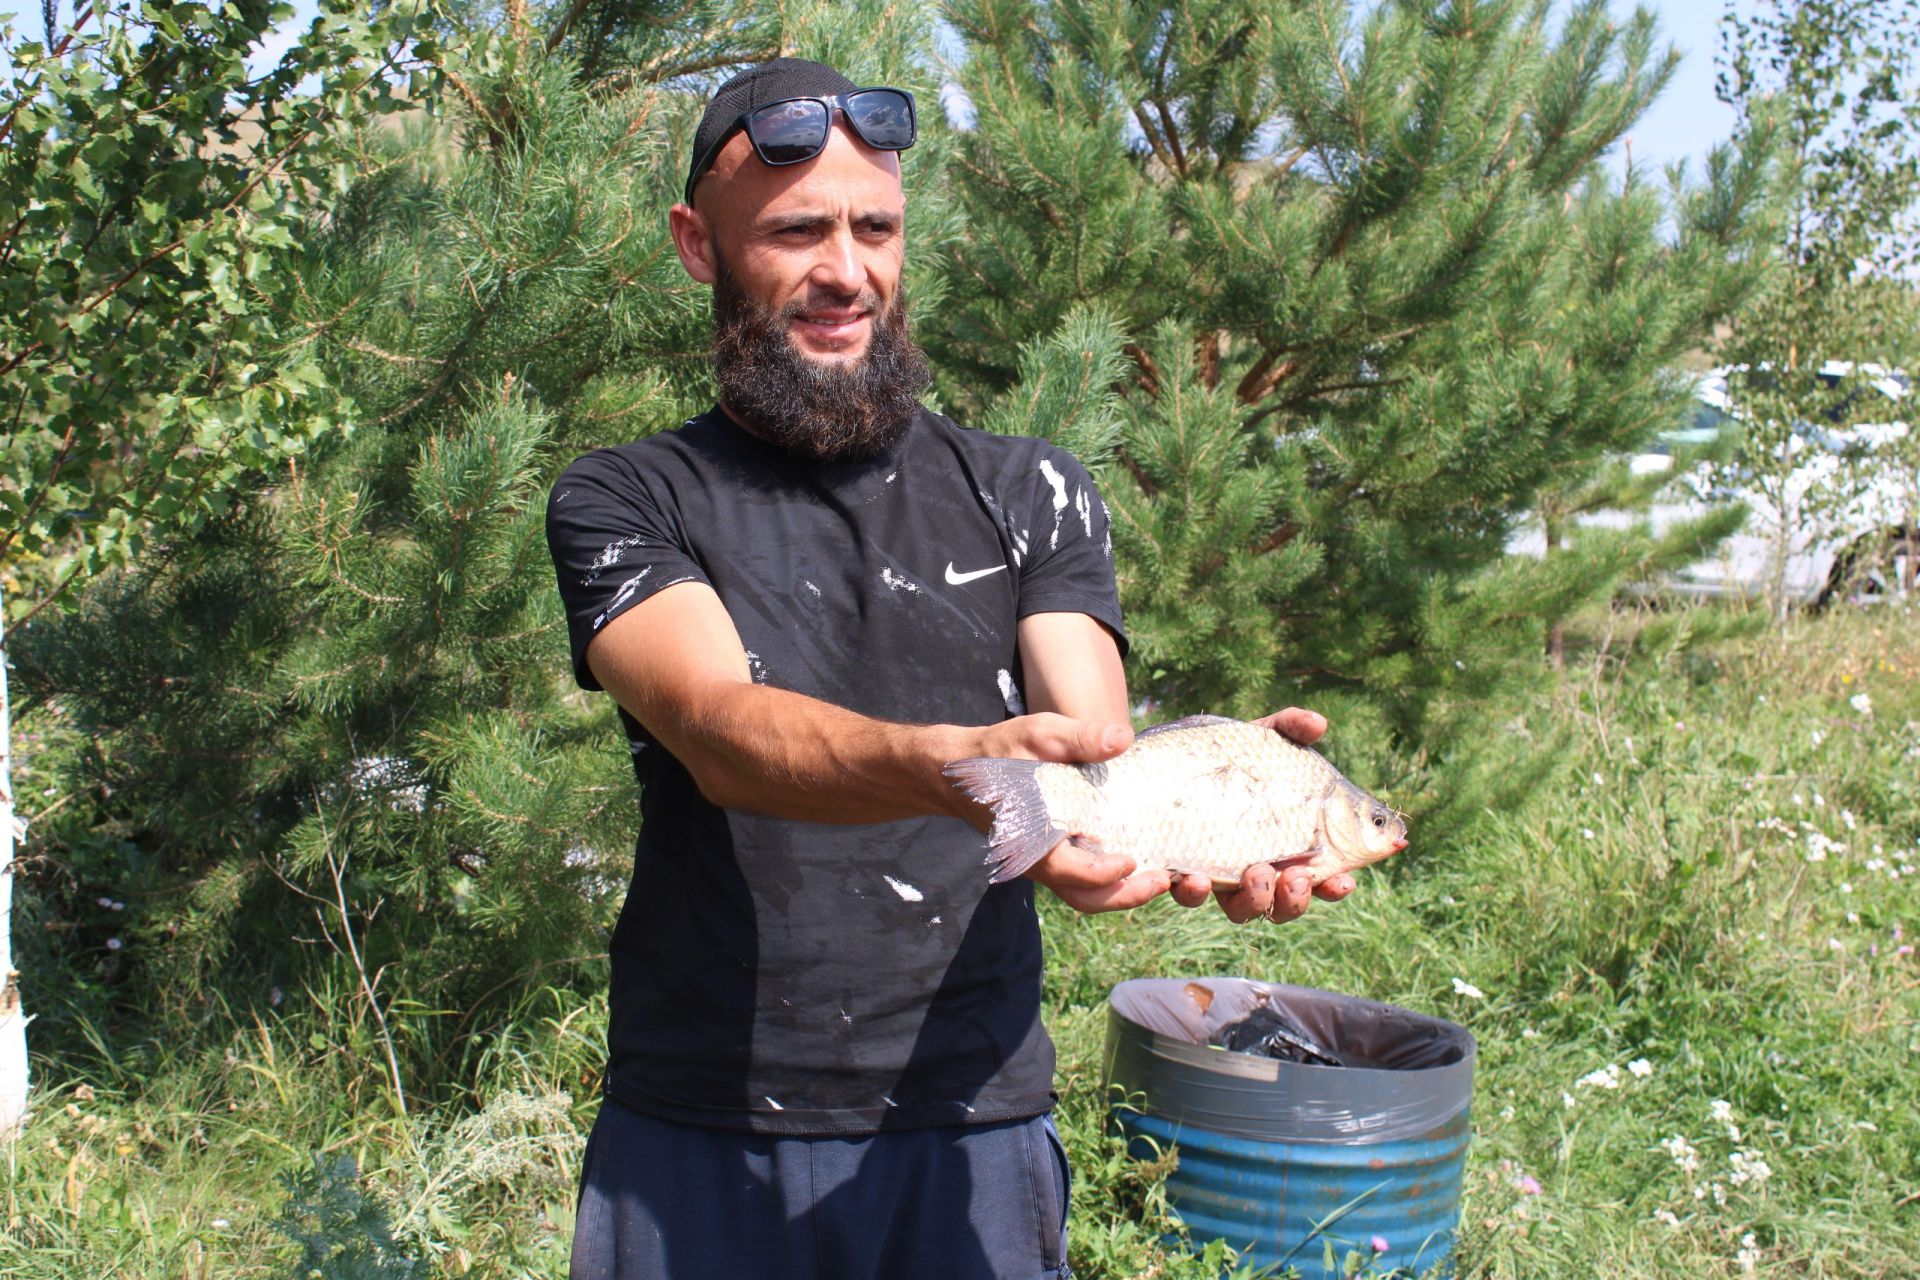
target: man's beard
823 412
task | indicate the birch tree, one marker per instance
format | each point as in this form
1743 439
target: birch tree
1840 80
149 184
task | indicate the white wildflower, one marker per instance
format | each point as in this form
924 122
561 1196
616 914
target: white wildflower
1683 1152
1461 987
1598 781
1566 1100
1820 844
1834 944
1862 703
1607 1077
1853 917
1748 1167
1640 1067
1587 832
1798 798
1749 1255
1846 886
1817 736
1847 819
1720 1110
1666 1216
1819 801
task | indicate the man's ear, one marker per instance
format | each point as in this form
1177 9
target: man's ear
693 238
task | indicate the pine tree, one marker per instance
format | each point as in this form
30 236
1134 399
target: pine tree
1330 301
1378 295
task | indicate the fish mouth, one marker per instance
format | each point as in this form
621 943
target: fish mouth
1399 844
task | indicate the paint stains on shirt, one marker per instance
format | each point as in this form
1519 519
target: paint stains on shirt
906 891
620 597
1010 692
609 556
1059 483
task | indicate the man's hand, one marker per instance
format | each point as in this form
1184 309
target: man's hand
1083 877
1090 881
1280 894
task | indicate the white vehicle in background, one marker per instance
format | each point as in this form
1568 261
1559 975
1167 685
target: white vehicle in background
1862 546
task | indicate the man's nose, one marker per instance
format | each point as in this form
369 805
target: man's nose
838 269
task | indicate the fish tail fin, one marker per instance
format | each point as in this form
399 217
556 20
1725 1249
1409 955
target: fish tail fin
1023 831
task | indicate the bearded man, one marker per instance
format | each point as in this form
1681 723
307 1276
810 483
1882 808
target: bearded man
826 1054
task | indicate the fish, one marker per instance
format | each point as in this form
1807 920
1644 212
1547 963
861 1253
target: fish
1190 797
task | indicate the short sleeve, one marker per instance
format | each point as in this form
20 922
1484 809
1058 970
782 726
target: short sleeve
614 544
1068 561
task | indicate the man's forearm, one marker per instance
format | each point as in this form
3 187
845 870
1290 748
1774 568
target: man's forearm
676 664
783 753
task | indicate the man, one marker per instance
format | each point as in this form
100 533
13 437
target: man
826 1052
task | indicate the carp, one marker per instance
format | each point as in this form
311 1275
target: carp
1192 796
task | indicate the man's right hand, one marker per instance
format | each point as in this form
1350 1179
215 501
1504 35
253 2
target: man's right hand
1082 876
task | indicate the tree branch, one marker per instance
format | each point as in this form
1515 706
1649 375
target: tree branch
567 19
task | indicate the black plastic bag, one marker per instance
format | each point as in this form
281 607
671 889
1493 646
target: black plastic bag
1266 1033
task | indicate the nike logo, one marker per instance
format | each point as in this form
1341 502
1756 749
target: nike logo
960 579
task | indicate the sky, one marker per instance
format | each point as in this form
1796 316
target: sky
1683 124
1686 121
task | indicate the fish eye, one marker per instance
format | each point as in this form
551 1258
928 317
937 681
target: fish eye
1379 821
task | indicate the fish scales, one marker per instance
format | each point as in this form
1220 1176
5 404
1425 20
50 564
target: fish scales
1205 796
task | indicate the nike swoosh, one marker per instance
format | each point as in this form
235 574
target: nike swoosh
959 579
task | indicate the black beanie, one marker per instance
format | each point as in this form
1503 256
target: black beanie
757 86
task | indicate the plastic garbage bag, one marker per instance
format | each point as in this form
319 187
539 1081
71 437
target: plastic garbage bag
1267 1033
1405 1074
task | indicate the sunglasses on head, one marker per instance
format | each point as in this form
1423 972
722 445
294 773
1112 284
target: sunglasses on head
796 129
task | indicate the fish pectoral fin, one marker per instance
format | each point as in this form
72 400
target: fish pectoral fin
1022 833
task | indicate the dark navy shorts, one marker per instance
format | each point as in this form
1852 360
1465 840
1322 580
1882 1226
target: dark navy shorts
665 1201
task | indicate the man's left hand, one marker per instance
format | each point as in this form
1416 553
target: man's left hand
1279 894
1089 880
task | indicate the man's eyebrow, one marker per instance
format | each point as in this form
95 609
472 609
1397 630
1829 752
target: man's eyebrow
795 221
816 221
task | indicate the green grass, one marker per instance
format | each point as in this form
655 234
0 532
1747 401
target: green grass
1653 899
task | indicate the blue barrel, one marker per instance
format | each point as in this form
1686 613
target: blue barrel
1282 1159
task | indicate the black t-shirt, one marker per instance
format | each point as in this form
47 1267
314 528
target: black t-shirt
805 978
